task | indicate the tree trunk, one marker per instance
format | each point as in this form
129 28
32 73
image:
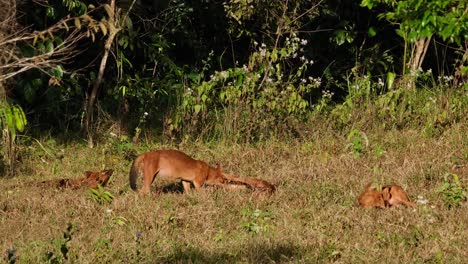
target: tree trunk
416 59
113 30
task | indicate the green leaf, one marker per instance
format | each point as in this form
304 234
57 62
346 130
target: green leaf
129 23
58 71
49 46
340 37
19 118
197 108
367 3
50 12
390 80
29 93
371 32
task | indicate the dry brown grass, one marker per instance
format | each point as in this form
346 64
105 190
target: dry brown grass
311 218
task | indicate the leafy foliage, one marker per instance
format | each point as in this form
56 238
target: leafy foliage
239 69
256 221
61 247
418 19
100 195
451 190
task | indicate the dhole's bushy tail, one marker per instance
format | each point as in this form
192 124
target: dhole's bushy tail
135 172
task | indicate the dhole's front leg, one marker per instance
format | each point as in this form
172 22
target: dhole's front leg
198 182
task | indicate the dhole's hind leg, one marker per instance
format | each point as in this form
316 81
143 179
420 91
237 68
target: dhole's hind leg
405 202
186 185
148 179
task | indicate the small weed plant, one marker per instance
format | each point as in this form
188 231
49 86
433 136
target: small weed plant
451 190
358 142
100 195
256 221
61 248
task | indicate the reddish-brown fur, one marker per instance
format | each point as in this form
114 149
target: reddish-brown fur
395 195
256 184
174 165
371 198
92 179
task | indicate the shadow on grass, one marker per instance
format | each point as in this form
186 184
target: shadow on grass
175 187
251 254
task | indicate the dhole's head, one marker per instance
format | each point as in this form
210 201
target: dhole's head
395 195
371 198
386 195
215 175
99 177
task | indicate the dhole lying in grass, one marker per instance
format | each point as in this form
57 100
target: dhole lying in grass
395 195
389 196
91 179
174 165
371 197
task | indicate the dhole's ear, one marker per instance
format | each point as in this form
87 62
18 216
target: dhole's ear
386 193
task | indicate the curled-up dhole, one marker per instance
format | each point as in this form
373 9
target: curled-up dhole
395 195
92 179
371 198
175 165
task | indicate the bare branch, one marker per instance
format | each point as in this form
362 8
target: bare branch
11 64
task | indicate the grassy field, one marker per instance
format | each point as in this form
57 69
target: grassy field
312 218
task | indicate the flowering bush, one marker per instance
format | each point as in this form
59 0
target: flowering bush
256 97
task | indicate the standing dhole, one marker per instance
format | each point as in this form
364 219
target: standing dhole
175 165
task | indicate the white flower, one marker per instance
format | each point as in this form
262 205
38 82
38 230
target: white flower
381 83
255 43
302 58
421 200
304 42
145 113
223 74
113 134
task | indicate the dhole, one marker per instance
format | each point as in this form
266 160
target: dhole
174 165
395 195
256 184
371 197
91 179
